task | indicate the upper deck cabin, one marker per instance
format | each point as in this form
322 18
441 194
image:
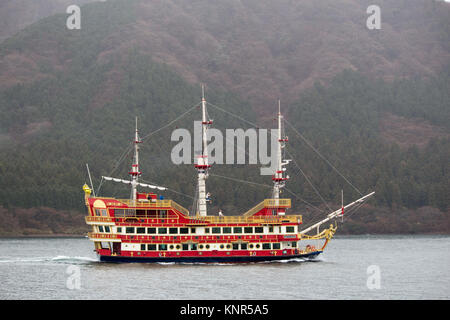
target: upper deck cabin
149 210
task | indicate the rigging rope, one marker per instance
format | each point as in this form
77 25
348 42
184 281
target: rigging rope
170 189
130 147
320 155
308 143
308 180
306 202
239 180
171 122
232 114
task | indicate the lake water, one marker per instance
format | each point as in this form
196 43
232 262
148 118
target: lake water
359 267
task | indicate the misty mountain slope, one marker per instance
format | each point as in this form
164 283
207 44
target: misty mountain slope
69 97
18 14
263 50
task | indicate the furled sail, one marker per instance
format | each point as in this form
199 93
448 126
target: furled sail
137 183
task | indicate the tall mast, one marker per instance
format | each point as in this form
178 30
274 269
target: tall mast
135 173
202 161
279 179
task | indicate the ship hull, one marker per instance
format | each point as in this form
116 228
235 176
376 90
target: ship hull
218 259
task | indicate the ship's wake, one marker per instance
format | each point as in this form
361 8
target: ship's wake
57 259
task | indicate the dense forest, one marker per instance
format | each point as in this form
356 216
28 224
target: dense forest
341 120
82 110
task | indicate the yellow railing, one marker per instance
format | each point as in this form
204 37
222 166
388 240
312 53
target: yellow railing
248 220
269 203
102 235
221 219
156 204
277 203
178 207
255 209
98 219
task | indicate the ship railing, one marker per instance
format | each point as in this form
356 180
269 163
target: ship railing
102 235
180 208
156 204
268 203
98 219
246 220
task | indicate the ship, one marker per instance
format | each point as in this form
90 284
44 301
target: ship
147 227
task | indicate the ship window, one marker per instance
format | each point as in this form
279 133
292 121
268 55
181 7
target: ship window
119 229
206 230
185 246
235 246
257 246
100 228
192 230
184 230
226 230
162 247
266 246
97 212
129 230
171 247
275 246
290 229
124 212
163 214
207 246
178 246
173 230
151 247
142 246
151 213
194 246
200 246
243 246
151 230
162 230
215 230
107 229
251 246
140 213
221 246
237 230
271 229
259 229
104 213
248 230
140 230
294 244
119 212
228 246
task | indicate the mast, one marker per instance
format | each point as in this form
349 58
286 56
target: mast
135 173
279 179
202 161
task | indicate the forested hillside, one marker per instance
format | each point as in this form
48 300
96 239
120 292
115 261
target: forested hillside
68 98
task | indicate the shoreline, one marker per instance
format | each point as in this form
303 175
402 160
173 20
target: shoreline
343 235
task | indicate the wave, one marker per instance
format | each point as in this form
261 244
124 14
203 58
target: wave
57 259
74 260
